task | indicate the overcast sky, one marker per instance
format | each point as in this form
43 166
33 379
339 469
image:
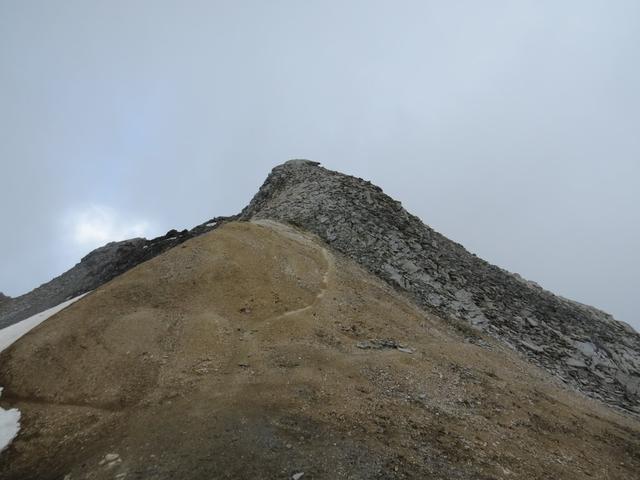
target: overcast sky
512 127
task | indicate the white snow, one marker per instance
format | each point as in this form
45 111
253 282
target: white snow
13 332
10 419
9 425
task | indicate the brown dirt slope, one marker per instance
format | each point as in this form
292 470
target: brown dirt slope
254 352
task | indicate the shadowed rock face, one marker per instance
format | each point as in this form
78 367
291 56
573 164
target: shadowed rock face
585 347
4 298
94 270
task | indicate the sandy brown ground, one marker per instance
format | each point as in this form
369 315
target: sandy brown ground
235 356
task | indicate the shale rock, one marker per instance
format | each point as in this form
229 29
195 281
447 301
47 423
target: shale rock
583 346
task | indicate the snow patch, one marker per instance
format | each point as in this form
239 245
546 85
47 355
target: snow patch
9 425
10 419
13 332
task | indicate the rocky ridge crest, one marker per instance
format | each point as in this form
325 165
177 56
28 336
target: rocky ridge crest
94 270
583 346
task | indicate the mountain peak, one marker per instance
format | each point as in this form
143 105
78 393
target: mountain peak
299 162
583 346
328 330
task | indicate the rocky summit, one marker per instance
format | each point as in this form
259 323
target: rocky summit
581 345
322 333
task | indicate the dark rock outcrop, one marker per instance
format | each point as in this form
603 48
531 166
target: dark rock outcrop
4 298
95 269
583 346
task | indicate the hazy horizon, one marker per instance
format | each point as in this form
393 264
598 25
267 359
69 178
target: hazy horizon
509 127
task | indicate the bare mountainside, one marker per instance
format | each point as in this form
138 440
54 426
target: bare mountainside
583 346
253 351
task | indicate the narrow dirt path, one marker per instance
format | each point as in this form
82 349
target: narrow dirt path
249 345
330 266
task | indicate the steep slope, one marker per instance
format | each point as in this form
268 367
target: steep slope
585 347
95 269
10 419
253 351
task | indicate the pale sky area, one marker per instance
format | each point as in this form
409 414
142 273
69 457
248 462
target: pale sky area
512 127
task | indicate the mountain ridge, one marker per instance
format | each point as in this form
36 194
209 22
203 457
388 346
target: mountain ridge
586 348
94 269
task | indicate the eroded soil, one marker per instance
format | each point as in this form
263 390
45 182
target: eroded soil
254 352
